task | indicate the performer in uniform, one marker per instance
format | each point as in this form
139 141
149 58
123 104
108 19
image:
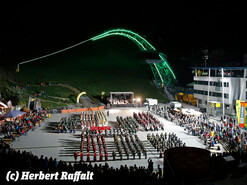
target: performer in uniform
81 155
95 156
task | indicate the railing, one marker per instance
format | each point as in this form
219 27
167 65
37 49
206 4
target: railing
82 109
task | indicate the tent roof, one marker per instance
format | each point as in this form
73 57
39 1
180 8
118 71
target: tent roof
13 114
190 84
3 105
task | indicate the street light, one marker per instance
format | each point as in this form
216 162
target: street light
138 100
205 57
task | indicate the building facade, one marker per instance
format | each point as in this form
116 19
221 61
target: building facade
218 88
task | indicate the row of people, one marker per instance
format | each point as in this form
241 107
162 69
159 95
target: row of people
106 133
118 145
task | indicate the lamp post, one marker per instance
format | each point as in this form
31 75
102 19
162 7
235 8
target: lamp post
205 57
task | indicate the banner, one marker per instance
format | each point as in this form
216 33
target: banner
242 112
217 104
245 120
238 105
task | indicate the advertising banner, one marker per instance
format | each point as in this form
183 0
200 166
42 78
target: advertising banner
242 112
217 104
245 120
238 105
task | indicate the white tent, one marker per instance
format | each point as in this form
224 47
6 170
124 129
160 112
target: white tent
191 112
3 105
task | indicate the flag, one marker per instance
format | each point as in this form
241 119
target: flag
245 120
238 107
242 112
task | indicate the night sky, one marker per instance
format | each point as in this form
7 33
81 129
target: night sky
178 28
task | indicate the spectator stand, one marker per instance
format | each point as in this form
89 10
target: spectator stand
217 136
17 123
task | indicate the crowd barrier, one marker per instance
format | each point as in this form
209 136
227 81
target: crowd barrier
82 109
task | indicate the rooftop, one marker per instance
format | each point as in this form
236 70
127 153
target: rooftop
234 68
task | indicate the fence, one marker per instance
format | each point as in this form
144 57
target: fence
82 109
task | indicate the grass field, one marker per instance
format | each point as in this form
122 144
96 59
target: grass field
110 64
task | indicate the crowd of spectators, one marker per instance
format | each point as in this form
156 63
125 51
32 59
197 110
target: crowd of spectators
11 159
19 125
212 132
26 161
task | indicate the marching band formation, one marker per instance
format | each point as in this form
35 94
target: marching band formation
93 119
87 119
94 141
128 124
126 142
131 146
148 121
67 125
165 141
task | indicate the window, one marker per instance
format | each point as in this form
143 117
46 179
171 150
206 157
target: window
216 94
212 72
219 84
201 82
226 84
218 73
226 96
238 73
227 107
201 92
